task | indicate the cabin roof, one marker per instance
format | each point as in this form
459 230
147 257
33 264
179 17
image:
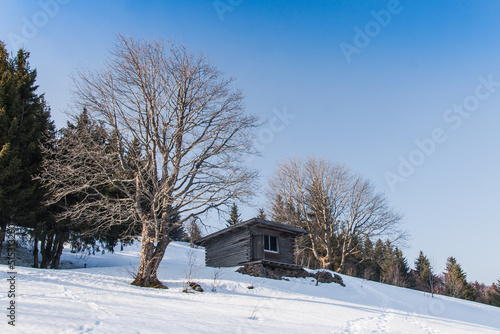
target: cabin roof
254 222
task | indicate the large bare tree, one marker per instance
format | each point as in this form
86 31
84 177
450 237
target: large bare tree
338 207
177 136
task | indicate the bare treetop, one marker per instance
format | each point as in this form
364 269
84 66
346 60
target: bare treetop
187 119
338 207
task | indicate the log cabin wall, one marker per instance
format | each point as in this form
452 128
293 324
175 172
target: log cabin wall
286 241
230 249
245 242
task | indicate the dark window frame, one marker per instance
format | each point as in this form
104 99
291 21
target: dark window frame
271 244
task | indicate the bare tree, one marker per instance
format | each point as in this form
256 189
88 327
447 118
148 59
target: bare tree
177 137
339 208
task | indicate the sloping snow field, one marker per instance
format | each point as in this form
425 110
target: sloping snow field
100 299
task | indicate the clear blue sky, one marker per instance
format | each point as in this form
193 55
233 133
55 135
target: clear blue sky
363 80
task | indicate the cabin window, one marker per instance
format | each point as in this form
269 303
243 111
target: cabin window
270 244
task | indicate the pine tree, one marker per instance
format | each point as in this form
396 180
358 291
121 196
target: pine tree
493 294
378 259
194 232
368 255
82 233
403 269
387 264
481 292
354 263
234 216
455 280
52 233
394 266
469 292
262 214
278 210
24 124
177 233
425 275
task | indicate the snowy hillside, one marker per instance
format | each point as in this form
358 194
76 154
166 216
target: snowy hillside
100 299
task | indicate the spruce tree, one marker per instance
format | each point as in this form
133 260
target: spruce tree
24 125
493 294
194 232
386 264
455 280
177 233
469 292
394 266
424 272
278 210
368 261
83 233
354 263
234 216
403 269
378 259
481 292
262 214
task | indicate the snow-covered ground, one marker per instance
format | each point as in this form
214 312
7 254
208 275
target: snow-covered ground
100 299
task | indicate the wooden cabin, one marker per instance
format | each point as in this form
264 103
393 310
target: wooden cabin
255 240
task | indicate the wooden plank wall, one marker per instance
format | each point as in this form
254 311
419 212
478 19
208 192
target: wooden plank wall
287 249
285 245
229 249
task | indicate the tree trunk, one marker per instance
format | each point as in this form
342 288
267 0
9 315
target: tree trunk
42 247
51 247
340 269
58 252
35 253
325 261
151 257
3 228
343 256
46 250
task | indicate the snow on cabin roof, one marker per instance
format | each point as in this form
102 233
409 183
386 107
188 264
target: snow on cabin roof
254 222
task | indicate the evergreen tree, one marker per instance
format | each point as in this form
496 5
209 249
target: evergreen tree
262 214
83 233
403 269
481 292
278 210
354 263
387 264
53 233
24 125
455 280
469 292
177 233
425 275
194 232
493 294
378 259
368 255
234 216
394 266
